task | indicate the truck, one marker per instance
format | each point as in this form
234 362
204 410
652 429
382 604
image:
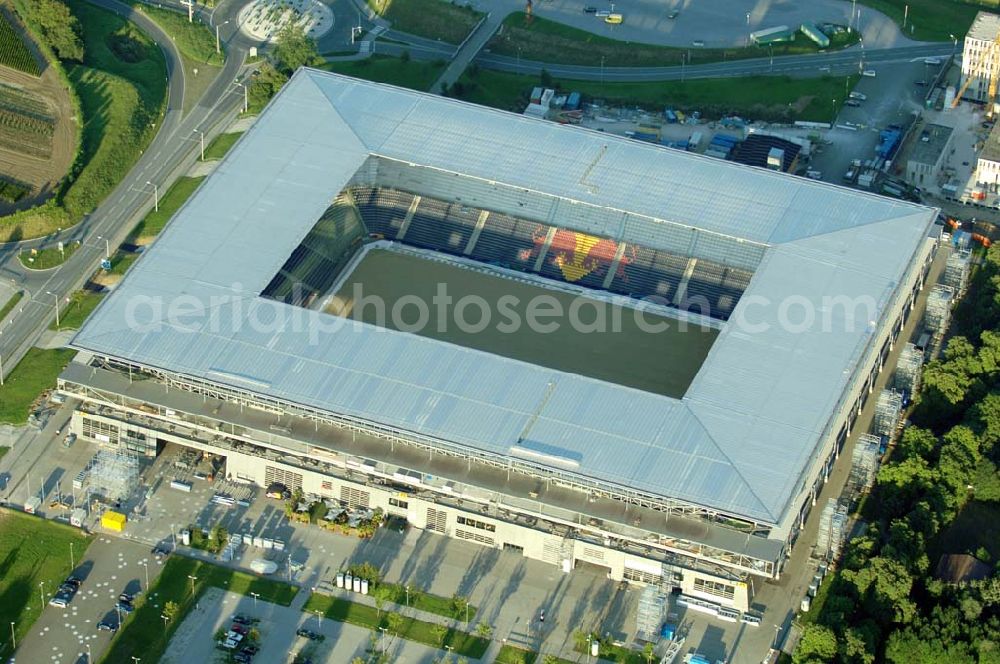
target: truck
888 142
32 504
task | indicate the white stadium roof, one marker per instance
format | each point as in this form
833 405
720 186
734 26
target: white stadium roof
743 438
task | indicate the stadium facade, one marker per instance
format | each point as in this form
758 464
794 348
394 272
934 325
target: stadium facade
704 492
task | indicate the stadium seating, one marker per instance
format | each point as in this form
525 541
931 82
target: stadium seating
441 226
573 257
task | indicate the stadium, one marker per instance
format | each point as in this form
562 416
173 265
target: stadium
687 457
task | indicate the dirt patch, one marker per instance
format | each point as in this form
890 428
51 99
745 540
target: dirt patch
38 132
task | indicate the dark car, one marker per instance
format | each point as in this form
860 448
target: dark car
107 626
852 102
161 550
241 658
239 629
126 597
250 650
674 14
125 607
241 619
74 581
309 634
590 10
920 83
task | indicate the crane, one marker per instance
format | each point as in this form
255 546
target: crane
994 74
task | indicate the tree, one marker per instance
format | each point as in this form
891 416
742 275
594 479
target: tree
818 643
545 78
440 632
484 630
459 606
365 571
552 659
264 85
381 594
294 49
59 27
170 610
394 623
916 442
648 653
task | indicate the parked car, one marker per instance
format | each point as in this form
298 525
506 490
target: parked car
241 658
852 102
126 597
74 581
604 13
698 42
309 634
125 607
241 619
107 626
920 83
69 440
674 14
240 628
870 73
590 10
161 550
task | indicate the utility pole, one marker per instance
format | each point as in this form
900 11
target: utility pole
201 136
190 6
156 195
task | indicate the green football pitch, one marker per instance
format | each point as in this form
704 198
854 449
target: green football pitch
520 320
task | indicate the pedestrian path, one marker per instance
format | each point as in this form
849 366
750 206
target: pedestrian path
468 50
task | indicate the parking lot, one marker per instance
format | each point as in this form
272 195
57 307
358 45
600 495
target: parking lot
110 567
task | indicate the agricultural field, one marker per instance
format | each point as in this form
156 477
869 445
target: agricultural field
13 52
37 128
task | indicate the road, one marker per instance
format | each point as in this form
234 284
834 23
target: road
170 153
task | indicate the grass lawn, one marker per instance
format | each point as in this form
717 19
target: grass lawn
45 259
122 90
755 97
976 527
11 303
143 634
193 39
121 261
32 550
513 655
36 372
170 202
3 451
73 313
549 41
933 20
434 19
442 606
462 643
395 71
220 145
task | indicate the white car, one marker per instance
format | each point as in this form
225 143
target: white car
870 73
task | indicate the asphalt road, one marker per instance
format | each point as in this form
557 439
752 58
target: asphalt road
169 155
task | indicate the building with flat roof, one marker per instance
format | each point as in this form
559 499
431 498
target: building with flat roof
802 286
988 162
980 56
927 154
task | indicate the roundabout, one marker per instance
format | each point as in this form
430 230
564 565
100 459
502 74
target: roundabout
263 19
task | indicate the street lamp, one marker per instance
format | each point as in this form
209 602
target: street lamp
145 566
72 564
319 618
156 195
748 29
56 297
165 619
201 136
193 579
173 536
407 596
90 658
107 246
382 629
13 639
246 98
135 659
219 25
255 596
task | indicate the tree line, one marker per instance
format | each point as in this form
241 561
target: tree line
884 603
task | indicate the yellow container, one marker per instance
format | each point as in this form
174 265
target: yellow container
113 521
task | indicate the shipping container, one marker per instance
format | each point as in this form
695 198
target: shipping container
694 141
113 521
180 485
573 103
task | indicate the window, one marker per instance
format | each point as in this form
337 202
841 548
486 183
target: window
273 474
482 525
470 536
437 520
641 576
401 504
100 431
354 497
326 485
723 590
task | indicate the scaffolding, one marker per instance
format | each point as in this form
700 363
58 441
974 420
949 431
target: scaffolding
938 309
649 616
956 271
907 376
832 529
864 463
887 410
114 474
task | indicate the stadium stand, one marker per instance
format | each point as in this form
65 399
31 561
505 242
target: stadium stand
712 289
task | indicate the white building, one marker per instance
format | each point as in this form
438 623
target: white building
980 58
699 492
